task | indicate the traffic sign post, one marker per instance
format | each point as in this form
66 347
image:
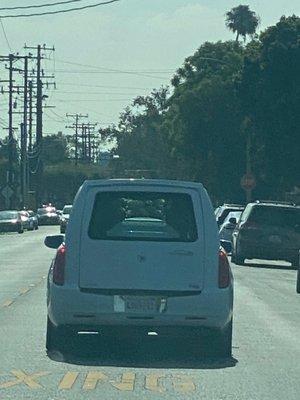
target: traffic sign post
7 193
248 183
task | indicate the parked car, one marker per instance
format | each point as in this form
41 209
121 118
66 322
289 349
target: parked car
64 218
222 211
27 221
140 255
10 221
47 216
229 224
34 219
267 230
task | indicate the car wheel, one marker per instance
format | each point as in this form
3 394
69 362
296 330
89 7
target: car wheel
218 343
295 262
21 230
298 281
36 228
57 337
62 230
240 260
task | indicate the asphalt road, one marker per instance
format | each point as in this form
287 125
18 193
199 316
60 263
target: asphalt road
266 343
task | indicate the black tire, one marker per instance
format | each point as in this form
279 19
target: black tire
295 262
298 281
57 338
21 230
218 343
36 228
223 341
240 260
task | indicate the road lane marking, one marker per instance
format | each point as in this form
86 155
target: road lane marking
92 379
152 383
68 380
23 378
24 291
7 303
183 384
127 382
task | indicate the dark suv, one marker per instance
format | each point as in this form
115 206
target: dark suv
267 230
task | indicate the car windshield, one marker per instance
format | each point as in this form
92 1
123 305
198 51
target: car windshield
143 216
278 216
8 215
67 210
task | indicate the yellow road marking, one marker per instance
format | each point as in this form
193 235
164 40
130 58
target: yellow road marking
152 383
183 384
22 377
92 379
24 290
127 382
68 380
7 303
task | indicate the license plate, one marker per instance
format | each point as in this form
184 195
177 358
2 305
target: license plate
139 304
275 239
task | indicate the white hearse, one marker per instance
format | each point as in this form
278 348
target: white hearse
139 256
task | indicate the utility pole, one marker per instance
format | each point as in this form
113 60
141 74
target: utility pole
24 166
30 89
75 126
10 123
39 121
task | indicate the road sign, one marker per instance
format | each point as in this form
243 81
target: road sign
7 192
248 182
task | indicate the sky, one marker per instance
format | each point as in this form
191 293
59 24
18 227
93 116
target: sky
119 50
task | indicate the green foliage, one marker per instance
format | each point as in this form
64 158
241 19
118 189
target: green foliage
223 95
242 21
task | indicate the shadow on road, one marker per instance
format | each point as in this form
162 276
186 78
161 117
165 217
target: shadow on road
145 353
250 264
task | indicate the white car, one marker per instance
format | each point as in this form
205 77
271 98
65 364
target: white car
64 218
229 224
140 256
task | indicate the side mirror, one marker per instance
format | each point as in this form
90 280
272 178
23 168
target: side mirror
227 246
54 241
233 220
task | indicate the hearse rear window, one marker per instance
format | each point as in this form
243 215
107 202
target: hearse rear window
143 216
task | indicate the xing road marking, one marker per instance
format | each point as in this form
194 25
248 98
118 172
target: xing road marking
23 378
183 384
127 382
93 380
152 383
68 380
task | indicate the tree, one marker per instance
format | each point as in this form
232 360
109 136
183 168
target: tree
270 92
242 21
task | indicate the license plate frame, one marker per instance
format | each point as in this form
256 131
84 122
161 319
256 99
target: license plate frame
139 304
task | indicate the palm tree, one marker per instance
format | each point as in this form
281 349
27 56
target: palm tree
242 21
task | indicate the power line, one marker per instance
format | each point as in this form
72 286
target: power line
5 35
39 5
60 11
104 86
110 69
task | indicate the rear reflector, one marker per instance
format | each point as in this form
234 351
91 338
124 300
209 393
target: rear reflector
59 266
224 270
